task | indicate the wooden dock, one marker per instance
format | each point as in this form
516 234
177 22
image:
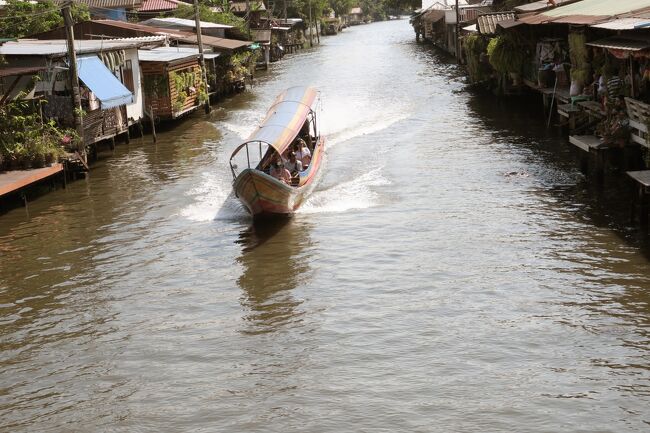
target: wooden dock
12 181
588 143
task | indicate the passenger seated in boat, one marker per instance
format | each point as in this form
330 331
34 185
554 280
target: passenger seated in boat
302 152
305 135
293 165
279 172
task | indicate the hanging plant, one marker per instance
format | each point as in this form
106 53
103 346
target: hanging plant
580 67
475 48
507 54
185 83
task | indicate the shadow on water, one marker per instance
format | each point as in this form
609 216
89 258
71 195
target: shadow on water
273 261
519 122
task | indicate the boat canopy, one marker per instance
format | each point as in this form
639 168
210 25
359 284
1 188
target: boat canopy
284 119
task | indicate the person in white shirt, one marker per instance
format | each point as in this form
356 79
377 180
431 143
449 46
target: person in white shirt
302 152
293 164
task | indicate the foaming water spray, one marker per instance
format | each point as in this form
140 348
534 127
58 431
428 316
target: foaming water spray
355 193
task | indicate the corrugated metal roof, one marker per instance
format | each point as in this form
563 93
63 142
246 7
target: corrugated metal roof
539 6
58 47
598 8
219 43
183 23
127 4
506 24
165 57
487 23
580 19
144 40
433 15
624 24
159 5
108 89
355 11
170 54
621 43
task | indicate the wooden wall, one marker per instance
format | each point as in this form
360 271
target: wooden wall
163 104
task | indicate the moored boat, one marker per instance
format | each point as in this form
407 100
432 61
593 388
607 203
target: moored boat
291 119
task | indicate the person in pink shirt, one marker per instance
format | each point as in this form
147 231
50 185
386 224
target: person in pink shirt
279 172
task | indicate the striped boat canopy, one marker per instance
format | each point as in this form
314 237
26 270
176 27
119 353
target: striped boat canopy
285 118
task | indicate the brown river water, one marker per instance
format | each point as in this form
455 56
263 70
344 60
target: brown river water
452 272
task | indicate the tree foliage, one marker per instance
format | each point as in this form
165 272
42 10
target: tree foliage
341 7
36 17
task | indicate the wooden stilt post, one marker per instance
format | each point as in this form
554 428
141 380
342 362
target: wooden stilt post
24 197
600 168
74 78
643 208
204 73
153 123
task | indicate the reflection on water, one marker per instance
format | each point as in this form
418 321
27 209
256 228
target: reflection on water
274 263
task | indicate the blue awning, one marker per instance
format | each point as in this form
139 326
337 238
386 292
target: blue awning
101 81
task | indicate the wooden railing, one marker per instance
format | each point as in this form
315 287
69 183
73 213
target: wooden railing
639 114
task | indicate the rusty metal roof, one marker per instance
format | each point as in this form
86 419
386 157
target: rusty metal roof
108 4
159 5
487 23
587 12
214 42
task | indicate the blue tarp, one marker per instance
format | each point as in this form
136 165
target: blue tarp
99 79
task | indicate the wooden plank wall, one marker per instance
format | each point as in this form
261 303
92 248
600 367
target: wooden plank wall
161 104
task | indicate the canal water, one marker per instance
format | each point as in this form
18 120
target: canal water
452 272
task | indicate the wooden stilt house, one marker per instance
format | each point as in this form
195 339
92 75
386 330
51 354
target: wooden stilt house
173 83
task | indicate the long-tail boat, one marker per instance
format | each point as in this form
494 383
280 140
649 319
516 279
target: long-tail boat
291 117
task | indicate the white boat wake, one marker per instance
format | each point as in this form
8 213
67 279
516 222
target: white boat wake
356 193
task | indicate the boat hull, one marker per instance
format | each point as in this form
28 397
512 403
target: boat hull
266 196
